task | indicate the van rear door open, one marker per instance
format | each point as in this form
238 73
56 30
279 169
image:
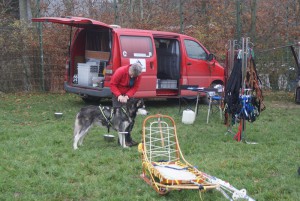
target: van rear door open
85 47
79 22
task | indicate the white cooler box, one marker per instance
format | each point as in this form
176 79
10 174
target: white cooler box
86 71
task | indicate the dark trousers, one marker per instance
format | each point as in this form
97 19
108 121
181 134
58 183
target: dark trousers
116 103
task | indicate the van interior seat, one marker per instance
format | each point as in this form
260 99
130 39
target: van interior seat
168 67
168 64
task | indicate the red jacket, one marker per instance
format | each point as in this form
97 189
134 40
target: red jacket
119 83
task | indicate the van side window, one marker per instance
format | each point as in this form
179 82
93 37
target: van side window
194 50
136 46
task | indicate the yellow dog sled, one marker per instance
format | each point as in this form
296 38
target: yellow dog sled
164 167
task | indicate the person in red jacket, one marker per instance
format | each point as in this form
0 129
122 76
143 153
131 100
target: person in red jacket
123 84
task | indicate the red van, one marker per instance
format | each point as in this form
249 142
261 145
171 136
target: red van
171 62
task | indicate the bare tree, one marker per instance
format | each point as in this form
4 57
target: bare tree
6 6
25 10
142 9
253 20
116 12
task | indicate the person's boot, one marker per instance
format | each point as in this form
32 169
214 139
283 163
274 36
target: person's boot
129 142
134 143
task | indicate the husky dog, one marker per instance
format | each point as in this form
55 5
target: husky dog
120 119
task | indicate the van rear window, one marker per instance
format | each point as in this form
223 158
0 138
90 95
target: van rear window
136 46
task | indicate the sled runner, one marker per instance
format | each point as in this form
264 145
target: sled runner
164 167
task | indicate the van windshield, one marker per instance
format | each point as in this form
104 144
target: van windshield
136 46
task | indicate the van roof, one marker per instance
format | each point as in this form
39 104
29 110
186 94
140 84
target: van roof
83 22
156 34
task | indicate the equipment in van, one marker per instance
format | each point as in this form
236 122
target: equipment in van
171 61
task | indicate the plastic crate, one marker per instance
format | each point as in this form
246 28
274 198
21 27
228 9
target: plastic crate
166 84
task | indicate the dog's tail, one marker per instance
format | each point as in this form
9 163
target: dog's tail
77 126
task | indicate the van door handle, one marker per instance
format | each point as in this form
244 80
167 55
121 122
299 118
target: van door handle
189 63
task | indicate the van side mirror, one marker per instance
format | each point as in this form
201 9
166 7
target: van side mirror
210 57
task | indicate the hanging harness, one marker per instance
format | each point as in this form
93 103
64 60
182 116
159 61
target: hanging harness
244 107
252 82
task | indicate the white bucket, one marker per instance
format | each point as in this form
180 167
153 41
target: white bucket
188 116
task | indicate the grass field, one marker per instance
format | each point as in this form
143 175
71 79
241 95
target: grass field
38 162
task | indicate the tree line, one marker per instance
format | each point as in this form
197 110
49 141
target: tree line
213 22
268 23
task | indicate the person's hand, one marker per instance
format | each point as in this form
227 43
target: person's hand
123 99
120 98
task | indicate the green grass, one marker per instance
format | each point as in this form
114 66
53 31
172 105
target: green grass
38 162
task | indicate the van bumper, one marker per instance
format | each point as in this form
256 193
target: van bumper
88 91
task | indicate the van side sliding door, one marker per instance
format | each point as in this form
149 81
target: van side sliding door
140 49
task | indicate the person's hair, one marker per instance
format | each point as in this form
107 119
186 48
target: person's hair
135 69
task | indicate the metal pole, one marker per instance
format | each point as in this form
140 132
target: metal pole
247 54
287 33
243 64
245 50
229 68
40 30
116 12
238 19
181 16
298 52
297 95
